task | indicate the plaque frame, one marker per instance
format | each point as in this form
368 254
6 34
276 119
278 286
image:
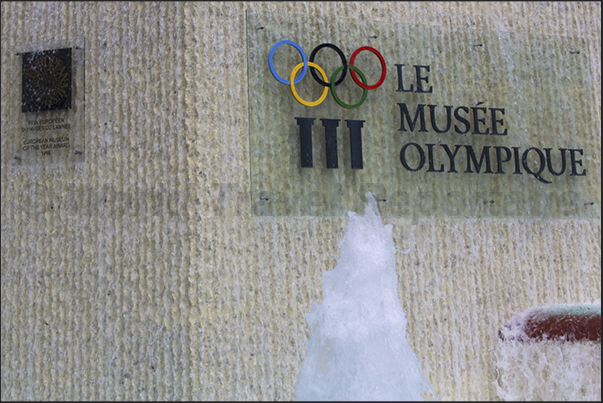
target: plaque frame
49 104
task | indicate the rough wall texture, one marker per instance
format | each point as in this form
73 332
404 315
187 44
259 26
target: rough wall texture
141 273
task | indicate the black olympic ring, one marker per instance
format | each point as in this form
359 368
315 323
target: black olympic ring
343 60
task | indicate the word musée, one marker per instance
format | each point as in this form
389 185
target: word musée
477 120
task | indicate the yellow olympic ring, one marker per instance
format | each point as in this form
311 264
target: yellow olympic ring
324 77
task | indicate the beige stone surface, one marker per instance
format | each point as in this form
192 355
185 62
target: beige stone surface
141 273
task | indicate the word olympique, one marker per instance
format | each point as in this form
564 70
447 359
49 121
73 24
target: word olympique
542 163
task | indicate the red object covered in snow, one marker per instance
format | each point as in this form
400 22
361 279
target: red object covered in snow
559 323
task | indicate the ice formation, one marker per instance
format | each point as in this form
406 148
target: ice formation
547 368
358 348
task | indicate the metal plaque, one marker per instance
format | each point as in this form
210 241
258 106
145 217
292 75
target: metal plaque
50 126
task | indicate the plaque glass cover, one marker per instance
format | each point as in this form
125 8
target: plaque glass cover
50 123
464 124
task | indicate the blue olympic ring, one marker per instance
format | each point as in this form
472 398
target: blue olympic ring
271 64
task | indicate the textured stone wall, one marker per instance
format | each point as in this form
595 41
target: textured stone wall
141 273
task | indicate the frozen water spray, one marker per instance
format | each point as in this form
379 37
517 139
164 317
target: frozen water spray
358 348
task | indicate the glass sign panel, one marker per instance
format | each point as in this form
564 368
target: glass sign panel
433 121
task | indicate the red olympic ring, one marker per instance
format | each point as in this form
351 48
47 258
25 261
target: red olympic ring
383 68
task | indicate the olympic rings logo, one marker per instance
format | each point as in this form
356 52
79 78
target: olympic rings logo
325 82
